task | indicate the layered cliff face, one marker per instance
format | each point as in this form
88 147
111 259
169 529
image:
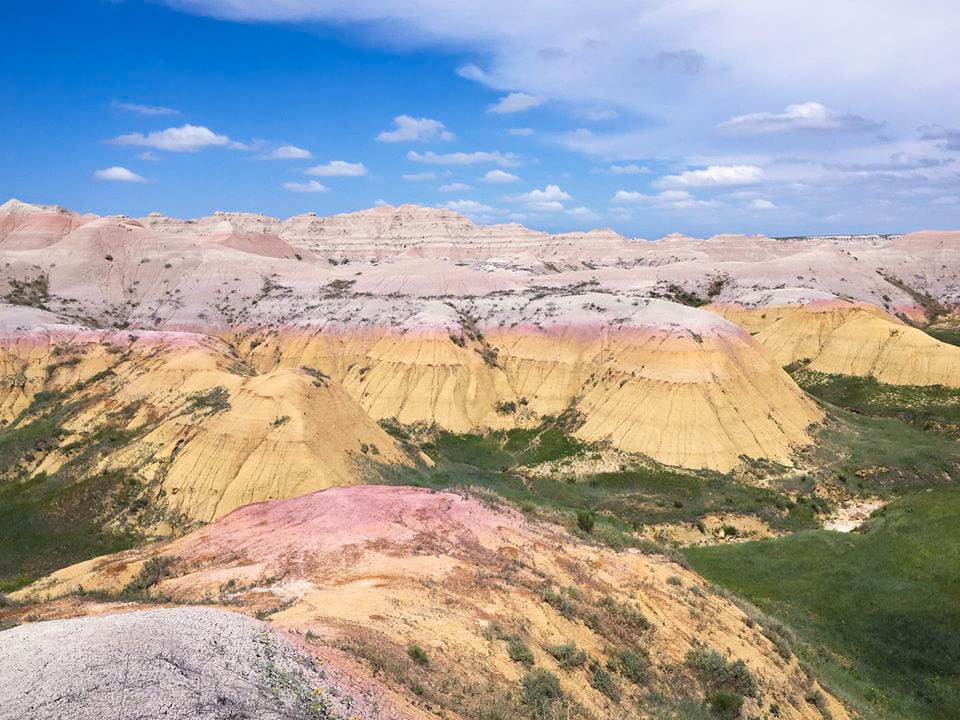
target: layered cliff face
184 413
452 602
419 316
832 335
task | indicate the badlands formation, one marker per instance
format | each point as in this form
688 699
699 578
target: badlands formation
239 397
366 573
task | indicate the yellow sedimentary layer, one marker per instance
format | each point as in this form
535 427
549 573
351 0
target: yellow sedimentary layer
213 437
849 338
697 401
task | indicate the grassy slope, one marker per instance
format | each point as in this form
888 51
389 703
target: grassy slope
879 612
629 498
49 522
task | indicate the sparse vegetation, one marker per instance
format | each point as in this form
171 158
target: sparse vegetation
518 651
213 401
541 691
151 572
418 655
568 655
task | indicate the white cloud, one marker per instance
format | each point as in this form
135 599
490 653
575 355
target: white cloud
551 193
380 202
668 199
761 204
521 132
499 176
624 170
338 168
515 102
583 213
187 138
454 187
415 177
714 176
148 156
601 115
468 206
287 152
461 158
411 129
119 174
477 211
548 200
311 186
473 72
144 109
799 116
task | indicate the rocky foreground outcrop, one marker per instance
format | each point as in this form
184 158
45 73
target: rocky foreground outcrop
191 662
451 602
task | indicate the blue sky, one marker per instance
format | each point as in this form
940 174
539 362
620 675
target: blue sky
649 116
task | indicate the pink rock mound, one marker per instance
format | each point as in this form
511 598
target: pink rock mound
326 522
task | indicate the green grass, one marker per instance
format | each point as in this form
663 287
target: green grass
949 335
45 526
877 613
628 499
49 522
934 408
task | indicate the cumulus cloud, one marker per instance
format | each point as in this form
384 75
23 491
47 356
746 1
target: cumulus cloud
411 129
624 169
499 176
668 199
521 132
454 187
119 174
287 152
187 138
714 176
761 204
468 206
549 200
148 156
144 109
515 102
416 177
477 211
462 158
311 186
580 52
338 168
800 116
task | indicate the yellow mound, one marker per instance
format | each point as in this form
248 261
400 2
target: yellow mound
684 399
210 434
849 338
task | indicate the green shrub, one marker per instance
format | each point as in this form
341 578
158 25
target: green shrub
719 676
418 655
561 603
541 689
518 651
568 655
585 521
725 705
628 617
603 682
634 665
151 572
